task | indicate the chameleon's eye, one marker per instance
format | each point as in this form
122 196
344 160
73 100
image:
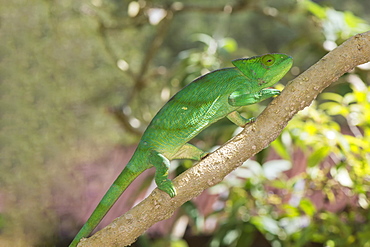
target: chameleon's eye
268 60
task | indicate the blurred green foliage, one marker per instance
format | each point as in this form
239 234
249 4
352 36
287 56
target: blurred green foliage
68 68
336 165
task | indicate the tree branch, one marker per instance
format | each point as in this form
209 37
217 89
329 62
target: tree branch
298 94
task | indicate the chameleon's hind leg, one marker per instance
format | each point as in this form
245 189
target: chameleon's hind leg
191 152
162 165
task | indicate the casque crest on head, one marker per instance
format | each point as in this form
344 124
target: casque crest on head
266 69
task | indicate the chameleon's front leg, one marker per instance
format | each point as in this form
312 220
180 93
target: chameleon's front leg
162 165
240 98
239 120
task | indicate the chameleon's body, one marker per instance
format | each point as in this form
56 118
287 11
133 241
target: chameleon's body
204 101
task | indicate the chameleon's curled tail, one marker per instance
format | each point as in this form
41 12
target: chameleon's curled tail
110 197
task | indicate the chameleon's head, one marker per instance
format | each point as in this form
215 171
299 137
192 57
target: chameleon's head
266 69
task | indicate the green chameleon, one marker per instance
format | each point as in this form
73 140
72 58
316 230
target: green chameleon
204 101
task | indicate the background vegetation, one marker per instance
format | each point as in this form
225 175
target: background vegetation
80 78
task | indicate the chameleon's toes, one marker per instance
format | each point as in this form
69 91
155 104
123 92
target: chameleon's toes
275 92
250 120
205 154
168 187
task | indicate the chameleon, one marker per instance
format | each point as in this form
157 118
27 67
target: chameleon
202 102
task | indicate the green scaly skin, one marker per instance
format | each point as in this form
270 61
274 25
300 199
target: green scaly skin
206 100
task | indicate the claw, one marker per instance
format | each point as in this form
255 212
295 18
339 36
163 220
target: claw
168 187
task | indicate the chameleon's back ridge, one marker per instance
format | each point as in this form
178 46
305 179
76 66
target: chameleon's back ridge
204 101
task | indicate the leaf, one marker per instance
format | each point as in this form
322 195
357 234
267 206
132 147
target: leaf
253 169
355 23
343 177
332 96
307 207
315 9
280 146
318 155
272 169
280 184
333 108
291 211
229 45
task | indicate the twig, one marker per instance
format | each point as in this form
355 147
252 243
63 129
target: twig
150 54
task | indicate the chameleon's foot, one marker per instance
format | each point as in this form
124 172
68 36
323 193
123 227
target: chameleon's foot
271 92
167 186
249 120
205 154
